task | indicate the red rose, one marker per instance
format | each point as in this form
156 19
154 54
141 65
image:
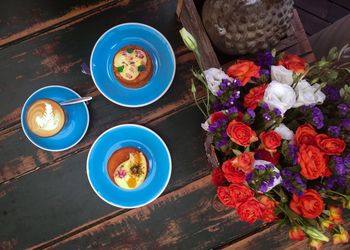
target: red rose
269 209
271 140
312 162
232 173
240 133
218 178
329 145
243 70
310 205
305 134
240 193
255 95
216 116
295 233
245 162
272 157
225 196
293 62
250 211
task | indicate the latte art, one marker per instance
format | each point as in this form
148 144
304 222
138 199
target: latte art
45 118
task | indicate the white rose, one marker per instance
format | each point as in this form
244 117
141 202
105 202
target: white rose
285 132
281 74
277 180
280 96
214 77
308 94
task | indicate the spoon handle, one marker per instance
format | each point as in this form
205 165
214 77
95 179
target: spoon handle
75 101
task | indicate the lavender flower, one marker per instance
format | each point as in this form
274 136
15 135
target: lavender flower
265 106
333 131
317 117
251 113
332 93
267 116
233 110
292 182
292 151
343 108
265 59
347 160
263 186
346 123
264 72
277 112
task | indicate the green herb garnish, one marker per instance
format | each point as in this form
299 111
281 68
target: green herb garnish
141 68
120 69
129 50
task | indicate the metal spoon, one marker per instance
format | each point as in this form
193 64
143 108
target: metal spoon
75 101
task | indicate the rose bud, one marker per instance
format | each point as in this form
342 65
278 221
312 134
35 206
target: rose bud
296 233
315 234
188 39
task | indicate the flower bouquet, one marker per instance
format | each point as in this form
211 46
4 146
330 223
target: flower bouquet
281 132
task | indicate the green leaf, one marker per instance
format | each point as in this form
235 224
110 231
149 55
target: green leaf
141 68
129 50
120 69
193 87
236 152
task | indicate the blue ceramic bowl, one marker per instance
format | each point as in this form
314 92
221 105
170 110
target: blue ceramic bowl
129 135
77 121
154 43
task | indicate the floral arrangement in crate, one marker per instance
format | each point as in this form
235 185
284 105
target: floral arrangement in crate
281 132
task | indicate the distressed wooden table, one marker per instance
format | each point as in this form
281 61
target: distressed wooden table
45 197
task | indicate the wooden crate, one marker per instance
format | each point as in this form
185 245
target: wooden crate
295 42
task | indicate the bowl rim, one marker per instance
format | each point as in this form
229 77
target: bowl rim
156 194
172 55
23 118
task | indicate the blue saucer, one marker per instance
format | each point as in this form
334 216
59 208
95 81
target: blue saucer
154 43
129 135
75 127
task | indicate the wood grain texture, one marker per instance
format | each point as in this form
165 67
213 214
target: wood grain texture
54 201
190 19
189 218
276 238
323 9
23 19
55 59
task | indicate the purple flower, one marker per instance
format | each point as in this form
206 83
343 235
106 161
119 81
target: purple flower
263 187
251 113
333 131
347 160
343 108
265 59
339 165
267 116
332 93
237 83
317 117
292 181
233 110
249 177
292 151
264 72
236 94
346 123
277 112
265 106
260 167
220 92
